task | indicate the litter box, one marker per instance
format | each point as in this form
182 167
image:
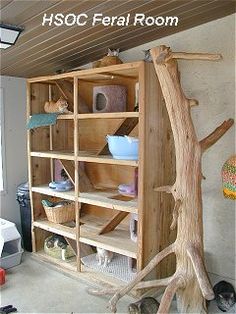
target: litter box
10 245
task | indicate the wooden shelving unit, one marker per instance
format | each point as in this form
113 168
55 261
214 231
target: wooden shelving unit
79 140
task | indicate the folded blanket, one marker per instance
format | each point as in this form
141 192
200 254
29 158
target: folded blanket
42 119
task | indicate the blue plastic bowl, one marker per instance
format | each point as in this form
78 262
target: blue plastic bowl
123 147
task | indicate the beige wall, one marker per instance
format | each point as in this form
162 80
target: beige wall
213 84
15 163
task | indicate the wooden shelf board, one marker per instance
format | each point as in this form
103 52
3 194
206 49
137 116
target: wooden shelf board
65 117
60 229
125 69
44 189
70 264
54 154
105 198
105 159
117 240
108 115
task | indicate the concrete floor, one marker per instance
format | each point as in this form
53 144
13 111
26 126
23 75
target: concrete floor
34 287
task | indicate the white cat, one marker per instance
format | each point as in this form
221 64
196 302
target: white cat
104 257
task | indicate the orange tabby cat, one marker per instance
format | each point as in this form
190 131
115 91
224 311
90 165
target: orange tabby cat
60 106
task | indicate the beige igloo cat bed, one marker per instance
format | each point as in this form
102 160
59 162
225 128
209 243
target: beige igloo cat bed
109 98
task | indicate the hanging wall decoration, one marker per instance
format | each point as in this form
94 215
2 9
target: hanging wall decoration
229 178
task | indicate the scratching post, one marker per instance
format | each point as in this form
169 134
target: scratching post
190 282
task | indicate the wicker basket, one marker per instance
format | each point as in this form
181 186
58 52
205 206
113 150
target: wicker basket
60 214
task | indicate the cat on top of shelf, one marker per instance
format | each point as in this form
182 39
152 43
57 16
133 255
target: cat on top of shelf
111 58
147 56
59 106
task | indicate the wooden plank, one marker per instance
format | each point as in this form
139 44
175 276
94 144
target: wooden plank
106 199
73 244
51 135
124 129
156 164
105 159
54 154
44 189
65 117
28 113
76 171
69 167
126 68
114 222
70 264
108 115
60 229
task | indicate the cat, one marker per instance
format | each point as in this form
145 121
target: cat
147 305
113 52
111 58
224 295
56 241
104 257
147 56
53 107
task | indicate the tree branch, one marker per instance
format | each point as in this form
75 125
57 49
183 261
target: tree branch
195 56
140 275
193 102
99 291
154 283
200 272
212 138
164 188
169 293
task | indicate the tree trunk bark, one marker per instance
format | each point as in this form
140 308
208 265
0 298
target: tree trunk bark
190 282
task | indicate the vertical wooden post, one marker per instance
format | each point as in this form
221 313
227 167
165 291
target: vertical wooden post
76 151
28 113
51 136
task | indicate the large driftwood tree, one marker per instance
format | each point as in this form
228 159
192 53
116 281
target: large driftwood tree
190 282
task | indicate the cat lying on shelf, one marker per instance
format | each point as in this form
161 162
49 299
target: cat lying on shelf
59 106
111 58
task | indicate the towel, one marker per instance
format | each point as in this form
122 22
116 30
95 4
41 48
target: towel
42 119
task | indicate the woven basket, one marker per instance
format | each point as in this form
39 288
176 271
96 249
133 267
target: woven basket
60 214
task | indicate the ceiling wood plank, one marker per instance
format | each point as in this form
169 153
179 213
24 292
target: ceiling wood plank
43 50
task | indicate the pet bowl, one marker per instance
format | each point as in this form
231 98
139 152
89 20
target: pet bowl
61 186
123 147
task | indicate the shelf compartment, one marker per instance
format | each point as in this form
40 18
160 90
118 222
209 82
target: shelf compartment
109 199
117 241
105 159
70 264
63 230
54 154
108 115
44 189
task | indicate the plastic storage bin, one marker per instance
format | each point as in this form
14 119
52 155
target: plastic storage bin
23 199
10 245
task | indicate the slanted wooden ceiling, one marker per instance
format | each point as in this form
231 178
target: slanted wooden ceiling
42 50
